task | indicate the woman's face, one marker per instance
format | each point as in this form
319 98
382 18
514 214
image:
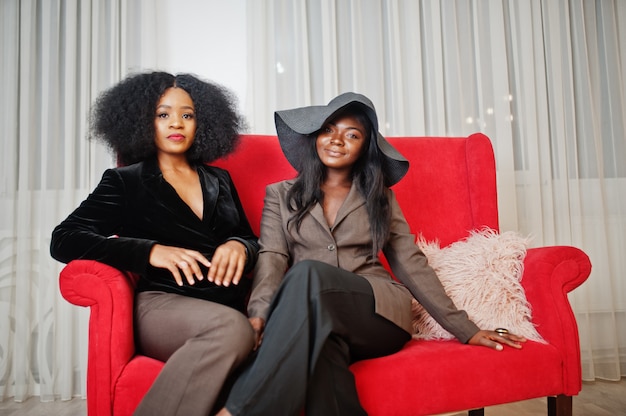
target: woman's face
340 143
174 122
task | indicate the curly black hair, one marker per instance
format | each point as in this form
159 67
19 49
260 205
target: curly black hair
123 117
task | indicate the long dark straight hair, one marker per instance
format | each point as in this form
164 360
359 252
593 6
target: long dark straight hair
367 173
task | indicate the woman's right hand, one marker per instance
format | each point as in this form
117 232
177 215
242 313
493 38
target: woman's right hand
258 324
176 259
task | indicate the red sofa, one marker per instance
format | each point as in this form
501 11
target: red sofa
457 193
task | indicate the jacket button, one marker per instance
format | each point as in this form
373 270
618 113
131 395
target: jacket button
331 247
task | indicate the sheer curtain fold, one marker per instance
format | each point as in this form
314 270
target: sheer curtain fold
545 80
56 56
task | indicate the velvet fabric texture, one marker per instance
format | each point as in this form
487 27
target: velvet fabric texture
449 190
134 208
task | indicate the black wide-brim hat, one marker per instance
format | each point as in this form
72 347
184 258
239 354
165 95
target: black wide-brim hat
296 126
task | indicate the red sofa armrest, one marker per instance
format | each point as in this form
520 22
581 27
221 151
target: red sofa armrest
110 295
550 273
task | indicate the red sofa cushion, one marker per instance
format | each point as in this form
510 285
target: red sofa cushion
458 376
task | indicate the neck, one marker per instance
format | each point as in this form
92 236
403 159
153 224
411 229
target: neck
338 178
173 163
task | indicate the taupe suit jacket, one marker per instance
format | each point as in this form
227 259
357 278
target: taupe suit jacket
347 244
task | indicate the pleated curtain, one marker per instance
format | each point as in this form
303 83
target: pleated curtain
543 79
56 56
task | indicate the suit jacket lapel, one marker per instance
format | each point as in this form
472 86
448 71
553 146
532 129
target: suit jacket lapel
210 191
163 192
318 213
354 200
154 183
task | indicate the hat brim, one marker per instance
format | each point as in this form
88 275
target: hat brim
295 128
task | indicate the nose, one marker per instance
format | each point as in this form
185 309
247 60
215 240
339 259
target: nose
176 122
335 139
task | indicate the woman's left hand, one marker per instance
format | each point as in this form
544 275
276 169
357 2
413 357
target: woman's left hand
228 263
495 339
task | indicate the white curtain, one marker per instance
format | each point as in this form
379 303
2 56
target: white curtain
543 79
56 56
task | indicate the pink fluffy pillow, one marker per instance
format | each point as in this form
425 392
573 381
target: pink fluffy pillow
482 275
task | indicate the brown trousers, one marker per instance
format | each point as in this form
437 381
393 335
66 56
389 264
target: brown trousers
201 342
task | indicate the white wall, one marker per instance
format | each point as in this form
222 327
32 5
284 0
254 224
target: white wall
206 38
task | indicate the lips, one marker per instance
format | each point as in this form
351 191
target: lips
176 137
333 153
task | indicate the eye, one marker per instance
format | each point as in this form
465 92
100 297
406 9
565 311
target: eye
161 115
189 116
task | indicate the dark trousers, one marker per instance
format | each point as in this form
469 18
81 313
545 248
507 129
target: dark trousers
321 320
202 344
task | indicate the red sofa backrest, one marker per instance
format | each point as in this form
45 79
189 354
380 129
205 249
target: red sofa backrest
449 190
257 162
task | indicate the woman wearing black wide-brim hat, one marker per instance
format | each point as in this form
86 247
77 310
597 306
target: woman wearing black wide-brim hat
336 304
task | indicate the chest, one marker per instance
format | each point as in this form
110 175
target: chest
334 199
349 231
189 190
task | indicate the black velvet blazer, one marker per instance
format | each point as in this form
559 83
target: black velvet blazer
133 208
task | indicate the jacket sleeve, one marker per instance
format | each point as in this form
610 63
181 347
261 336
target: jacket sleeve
89 231
410 266
273 258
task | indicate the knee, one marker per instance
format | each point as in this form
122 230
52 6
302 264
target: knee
307 270
310 276
308 266
237 336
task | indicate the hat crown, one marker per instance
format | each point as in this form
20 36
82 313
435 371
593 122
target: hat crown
343 100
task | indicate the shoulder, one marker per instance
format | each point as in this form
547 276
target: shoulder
391 197
140 172
281 187
214 170
122 174
125 180
130 170
276 193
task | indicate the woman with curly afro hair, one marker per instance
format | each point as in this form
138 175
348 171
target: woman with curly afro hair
167 216
123 117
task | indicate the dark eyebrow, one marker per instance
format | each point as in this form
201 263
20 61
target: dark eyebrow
350 128
185 107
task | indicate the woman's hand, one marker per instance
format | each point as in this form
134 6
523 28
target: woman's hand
258 324
228 263
495 339
177 260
